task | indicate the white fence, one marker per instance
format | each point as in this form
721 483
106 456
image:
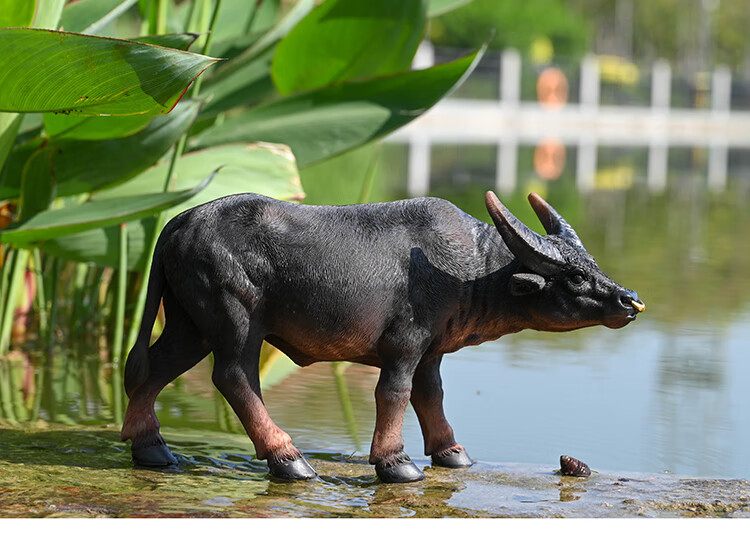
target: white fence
509 122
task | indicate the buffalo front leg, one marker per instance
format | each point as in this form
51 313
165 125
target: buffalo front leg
427 400
237 378
387 452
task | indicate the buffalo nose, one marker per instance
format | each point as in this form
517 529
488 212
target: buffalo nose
630 299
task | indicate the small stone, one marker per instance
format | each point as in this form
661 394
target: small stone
572 467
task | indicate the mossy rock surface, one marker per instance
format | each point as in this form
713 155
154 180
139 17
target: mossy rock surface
59 471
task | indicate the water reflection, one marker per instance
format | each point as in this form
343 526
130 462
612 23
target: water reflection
667 393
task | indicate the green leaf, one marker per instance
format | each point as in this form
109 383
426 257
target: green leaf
48 13
246 86
234 16
328 121
104 213
9 124
439 7
180 41
16 13
50 71
10 176
343 40
101 246
266 42
91 16
262 168
93 128
38 187
83 166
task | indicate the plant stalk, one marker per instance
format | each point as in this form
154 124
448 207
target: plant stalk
41 300
161 17
14 287
53 308
122 282
253 14
195 89
168 184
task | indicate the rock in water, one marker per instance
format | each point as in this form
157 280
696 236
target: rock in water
572 467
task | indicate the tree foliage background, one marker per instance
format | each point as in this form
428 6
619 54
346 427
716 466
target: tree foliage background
693 34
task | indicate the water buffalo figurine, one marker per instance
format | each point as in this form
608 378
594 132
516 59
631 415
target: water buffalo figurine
393 285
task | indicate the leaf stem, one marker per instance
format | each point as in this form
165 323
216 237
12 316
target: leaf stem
41 300
122 281
161 17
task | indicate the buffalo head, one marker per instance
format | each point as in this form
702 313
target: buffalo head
560 286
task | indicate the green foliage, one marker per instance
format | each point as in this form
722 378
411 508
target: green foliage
694 35
322 123
45 71
510 23
90 16
106 135
346 40
48 224
13 13
80 166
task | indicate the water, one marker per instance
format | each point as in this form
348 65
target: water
666 394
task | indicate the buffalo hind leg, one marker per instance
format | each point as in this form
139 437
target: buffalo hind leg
427 401
237 377
178 349
392 393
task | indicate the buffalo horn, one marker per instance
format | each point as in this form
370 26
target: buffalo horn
529 247
552 221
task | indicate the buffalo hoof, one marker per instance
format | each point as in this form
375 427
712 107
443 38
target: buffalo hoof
400 473
453 459
153 456
297 469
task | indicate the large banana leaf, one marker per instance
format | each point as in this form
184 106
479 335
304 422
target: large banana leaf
342 40
328 121
94 214
261 168
12 13
50 71
82 166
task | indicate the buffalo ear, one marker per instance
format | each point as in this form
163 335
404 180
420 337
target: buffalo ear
524 284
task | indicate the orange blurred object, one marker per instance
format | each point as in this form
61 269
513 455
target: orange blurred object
549 159
552 88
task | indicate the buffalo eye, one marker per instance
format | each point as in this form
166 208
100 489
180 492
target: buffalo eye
577 278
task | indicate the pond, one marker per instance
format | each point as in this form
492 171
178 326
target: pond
667 394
